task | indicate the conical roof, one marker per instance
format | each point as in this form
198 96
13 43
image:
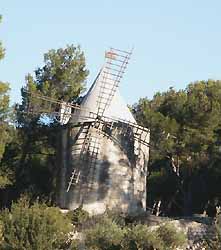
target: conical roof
117 109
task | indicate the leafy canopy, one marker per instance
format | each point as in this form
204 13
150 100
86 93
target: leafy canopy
4 124
185 130
61 77
4 108
2 52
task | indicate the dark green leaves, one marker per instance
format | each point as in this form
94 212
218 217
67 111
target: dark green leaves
185 135
63 75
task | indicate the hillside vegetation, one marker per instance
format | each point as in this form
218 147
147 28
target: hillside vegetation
184 168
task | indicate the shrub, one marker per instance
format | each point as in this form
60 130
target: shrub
115 216
104 235
78 216
74 245
35 227
170 237
139 237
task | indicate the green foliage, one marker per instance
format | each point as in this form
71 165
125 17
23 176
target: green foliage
1 48
4 126
34 227
78 216
170 237
139 237
121 219
63 75
104 235
185 134
162 184
1 232
9 159
74 245
36 167
4 111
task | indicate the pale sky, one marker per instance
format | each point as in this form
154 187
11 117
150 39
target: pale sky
175 42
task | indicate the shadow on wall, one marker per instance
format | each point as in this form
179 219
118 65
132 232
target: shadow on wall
103 178
102 181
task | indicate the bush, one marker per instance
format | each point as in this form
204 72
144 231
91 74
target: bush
170 237
139 237
115 216
74 245
35 227
78 216
104 235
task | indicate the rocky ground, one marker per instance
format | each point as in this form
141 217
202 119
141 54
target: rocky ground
196 228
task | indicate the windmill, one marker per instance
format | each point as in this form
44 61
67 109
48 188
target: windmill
103 151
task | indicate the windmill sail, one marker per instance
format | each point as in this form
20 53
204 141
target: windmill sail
98 100
65 113
104 91
116 63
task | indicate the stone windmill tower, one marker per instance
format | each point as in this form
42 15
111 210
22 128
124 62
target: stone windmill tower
103 151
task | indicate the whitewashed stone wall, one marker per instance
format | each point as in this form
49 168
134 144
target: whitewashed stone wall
117 182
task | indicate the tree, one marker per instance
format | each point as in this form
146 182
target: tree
1 48
4 108
185 142
63 75
4 126
63 78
